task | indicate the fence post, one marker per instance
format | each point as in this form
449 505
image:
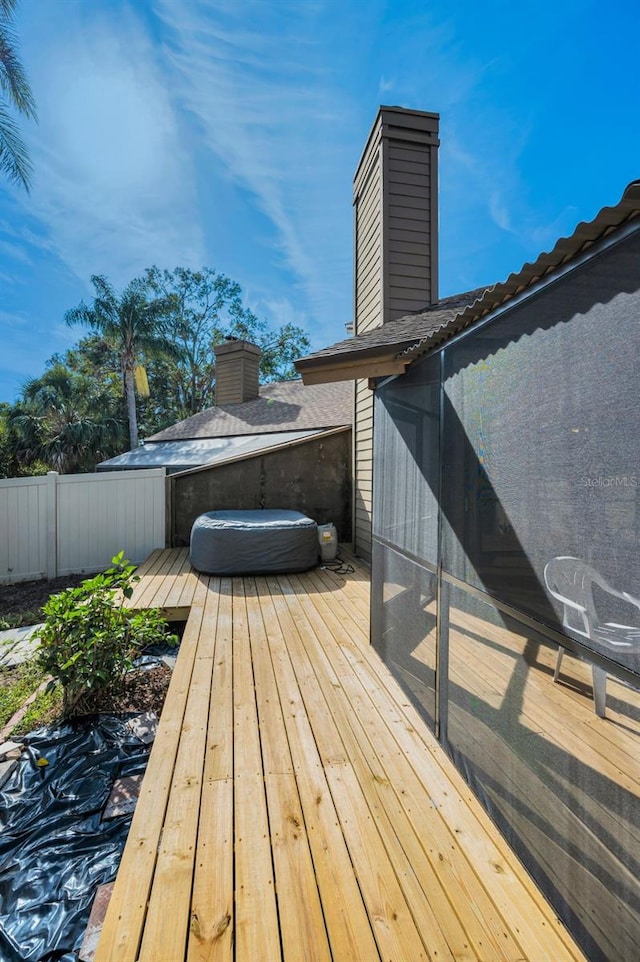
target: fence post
52 524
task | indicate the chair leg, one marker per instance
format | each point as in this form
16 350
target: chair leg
599 676
558 662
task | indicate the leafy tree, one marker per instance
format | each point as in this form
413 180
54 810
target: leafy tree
76 413
65 420
204 308
279 350
8 466
131 324
94 357
15 92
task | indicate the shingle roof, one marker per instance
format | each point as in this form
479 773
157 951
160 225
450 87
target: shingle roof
283 406
402 332
414 334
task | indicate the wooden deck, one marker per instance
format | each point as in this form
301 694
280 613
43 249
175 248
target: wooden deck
294 806
565 781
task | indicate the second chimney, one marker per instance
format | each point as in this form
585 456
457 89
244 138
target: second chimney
237 372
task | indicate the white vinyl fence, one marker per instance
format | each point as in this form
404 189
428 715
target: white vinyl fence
62 524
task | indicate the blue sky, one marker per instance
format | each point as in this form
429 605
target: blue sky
226 134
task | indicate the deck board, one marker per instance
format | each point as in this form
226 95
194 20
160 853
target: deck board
561 721
295 807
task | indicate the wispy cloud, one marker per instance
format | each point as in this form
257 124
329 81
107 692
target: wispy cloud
256 78
113 180
14 251
281 309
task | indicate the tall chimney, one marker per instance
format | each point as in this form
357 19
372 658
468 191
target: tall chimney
395 197
237 372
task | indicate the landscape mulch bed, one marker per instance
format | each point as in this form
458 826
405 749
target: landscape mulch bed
141 691
31 595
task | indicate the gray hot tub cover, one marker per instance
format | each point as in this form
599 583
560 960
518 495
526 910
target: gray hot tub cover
253 542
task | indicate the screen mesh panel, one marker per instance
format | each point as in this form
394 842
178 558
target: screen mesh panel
528 492
561 783
404 624
406 465
541 456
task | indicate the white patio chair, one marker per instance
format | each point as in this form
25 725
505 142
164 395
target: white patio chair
571 582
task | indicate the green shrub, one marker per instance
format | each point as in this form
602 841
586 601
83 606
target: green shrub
89 640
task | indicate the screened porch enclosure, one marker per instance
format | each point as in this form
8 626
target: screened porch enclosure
506 530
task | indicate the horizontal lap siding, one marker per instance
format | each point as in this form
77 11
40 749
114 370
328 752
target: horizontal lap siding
368 252
368 315
408 235
395 272
363 469
236 379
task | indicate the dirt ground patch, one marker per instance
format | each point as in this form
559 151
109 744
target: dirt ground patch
143 690
21 597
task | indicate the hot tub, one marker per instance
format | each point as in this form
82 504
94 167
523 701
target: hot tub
253 542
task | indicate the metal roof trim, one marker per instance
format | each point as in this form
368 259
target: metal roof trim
315 435
566 249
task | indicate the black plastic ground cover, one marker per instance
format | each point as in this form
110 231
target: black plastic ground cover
55 849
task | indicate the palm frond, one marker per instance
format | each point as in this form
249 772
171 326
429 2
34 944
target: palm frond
13 79
14 158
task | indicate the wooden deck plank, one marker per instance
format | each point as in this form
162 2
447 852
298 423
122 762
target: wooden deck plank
563 720
166 588
539 713
182 583
211 918
276 753
472 828
166 931
496 866
348 925
189 588
211 913
392 886
411 817
155 563
302 927
609 749
257 923
124 921
394 926
150 563
546 846
148 587
296 808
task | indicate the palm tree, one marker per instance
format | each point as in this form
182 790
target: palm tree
15 91
131 324
65 421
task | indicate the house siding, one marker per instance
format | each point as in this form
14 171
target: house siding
363 468
395 258
368 253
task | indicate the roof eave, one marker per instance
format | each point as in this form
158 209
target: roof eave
352 367
586 240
